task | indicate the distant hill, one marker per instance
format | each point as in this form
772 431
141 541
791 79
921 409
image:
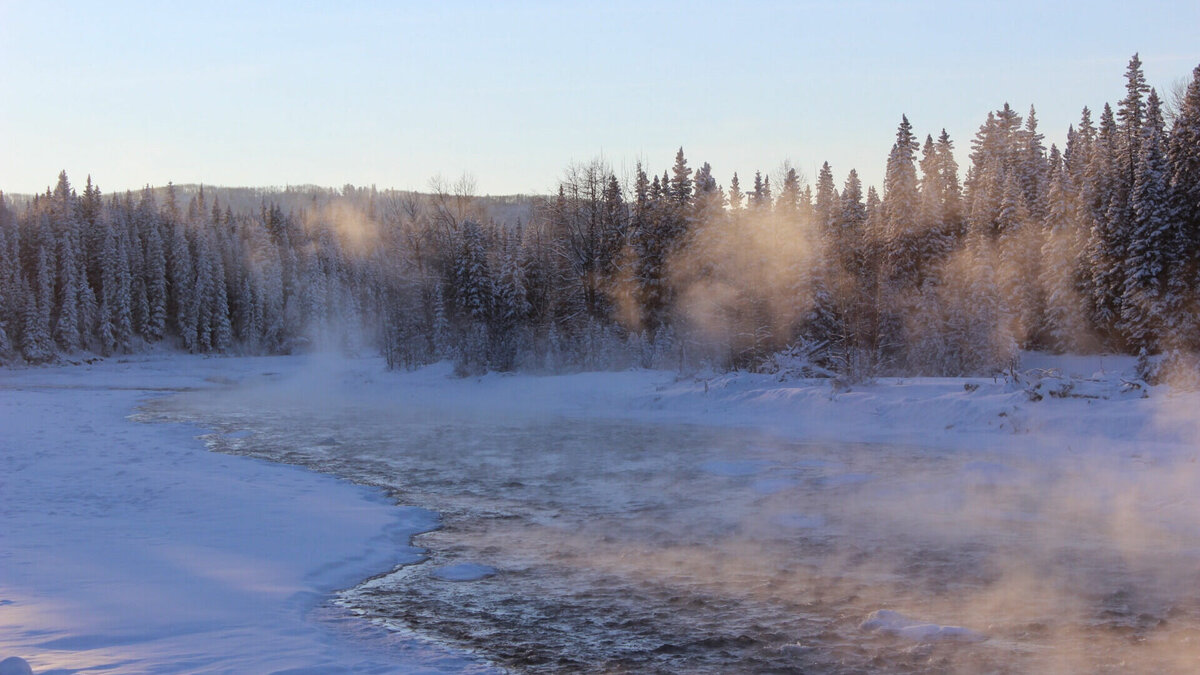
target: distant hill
508 210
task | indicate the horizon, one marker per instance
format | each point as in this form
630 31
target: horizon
393 96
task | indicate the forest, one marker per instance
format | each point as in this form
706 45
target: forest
944 271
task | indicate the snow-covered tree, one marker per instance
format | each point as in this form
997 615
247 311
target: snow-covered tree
1150 254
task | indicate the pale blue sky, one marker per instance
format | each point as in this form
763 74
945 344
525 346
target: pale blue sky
393 93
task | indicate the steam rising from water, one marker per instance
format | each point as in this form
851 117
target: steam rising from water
625 547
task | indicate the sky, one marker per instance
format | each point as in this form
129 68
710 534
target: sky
394 93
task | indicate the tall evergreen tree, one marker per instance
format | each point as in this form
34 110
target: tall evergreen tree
901 208
735 194
1184 159
681 181
1154 234
1106 241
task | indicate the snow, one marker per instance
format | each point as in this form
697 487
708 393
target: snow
128 546
894 623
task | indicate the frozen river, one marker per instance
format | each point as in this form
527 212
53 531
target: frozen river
611 546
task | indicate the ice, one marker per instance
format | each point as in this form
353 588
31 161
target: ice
131 544
894 623
463 572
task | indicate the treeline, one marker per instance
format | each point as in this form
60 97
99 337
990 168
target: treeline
1092 247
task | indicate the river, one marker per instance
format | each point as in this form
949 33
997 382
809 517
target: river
574 544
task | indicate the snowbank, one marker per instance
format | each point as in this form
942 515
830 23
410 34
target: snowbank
129 547
1103 404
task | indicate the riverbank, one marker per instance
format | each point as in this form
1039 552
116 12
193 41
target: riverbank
129 546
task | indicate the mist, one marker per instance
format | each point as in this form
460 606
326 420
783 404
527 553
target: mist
943 271
687 546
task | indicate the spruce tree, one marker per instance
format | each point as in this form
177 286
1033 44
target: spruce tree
1149 256
1131 112
182 285
735 194
36 344
66 317
109 291
901 209
1078 152
1105 249
825 207
1184 160
222 328
953 223
156 283
1064 326
681 182
1032 166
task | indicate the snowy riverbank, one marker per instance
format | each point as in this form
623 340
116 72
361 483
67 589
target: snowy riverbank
128 546
1055 404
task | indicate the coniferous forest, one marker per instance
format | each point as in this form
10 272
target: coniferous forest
948 269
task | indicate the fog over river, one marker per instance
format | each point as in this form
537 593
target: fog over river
577 544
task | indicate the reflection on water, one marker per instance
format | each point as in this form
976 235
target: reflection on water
609 546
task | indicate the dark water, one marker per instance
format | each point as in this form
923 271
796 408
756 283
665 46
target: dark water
624 547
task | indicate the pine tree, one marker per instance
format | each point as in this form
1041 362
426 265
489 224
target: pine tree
1105 248
182 286
1019 244
155 281
271 301
1123 143
900 210
123 310
1078 152
681 182
735 194
8 285
222 328
139 304
1033 167
36 343
66 317
1131 112
472 276
1184 276
441 324
1149 255
109 291
760 199
5 343
850 224
199 311
825 209
953 224
1064 325
511 306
